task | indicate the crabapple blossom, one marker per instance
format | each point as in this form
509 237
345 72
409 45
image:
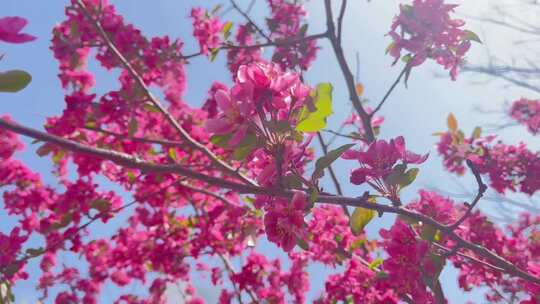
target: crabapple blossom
426 30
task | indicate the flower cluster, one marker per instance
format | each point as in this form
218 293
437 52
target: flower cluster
408 263
509 167
262 92
286 23
426 30
358 284
206 29
284 221
380 162
527 112
237 57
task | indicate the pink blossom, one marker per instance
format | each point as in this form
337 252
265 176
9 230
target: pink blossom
10 30
284 221
426 30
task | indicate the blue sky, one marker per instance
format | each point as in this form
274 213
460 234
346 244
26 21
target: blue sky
415 113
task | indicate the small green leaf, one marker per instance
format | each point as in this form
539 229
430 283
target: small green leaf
375 264
360 218
34 252
131 177
313 120
477 133
303 30
428 233
409 177
313 196
151 108
101 205
221 141
407 58
172 154
227 29
389 48
293 182
303 244
471 36
241 152
14 81
326 160
132 127
213 54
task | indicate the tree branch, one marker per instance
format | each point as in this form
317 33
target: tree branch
481 190
136 163
347 74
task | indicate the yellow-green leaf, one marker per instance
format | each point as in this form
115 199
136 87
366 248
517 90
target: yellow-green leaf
360 218
14 81
313 120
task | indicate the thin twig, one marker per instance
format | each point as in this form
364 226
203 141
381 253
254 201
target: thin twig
333 176
392 87
481 190
340 20
250 21
347 74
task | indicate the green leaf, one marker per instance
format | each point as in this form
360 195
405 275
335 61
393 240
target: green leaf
428 233
293 181
407 58
396 175
326 160
375 264
409 177
477 133
64 221
360 218
14 81
241 152
221 141
101 205
314 119
389 48
172 154
132 127
131 177
213 54
151 108
303 244
34 252
313 196
227 29
471 36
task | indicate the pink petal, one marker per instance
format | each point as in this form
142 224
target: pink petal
219 126
238 136
10 28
